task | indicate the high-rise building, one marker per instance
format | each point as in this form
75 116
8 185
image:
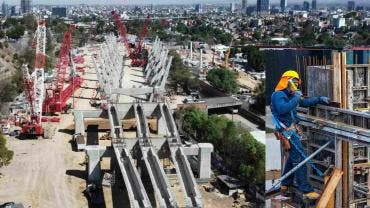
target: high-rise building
351 6
26 6
4 9
232 7
306 6
199 8
283 4
244 6
314 5
12 11
263 5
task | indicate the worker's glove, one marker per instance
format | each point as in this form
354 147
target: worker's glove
324 100
298 93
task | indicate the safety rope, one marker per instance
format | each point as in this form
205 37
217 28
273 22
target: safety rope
301 151
288 134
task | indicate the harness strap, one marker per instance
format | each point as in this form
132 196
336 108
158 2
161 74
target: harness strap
288 133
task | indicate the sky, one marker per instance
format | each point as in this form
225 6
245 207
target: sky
57 2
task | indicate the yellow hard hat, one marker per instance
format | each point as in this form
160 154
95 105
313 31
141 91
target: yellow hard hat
291 73
283 83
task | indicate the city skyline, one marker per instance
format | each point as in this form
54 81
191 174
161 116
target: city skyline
138 2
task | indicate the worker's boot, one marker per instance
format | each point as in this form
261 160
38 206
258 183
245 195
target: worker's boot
312 195
285 191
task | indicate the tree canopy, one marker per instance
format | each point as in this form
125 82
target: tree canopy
256 58
242 154
16 32
200 31
223 79
180 74
5 154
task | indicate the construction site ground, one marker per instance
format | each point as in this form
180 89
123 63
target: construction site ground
50 173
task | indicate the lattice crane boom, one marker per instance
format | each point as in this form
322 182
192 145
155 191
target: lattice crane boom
122 30
56 94
34 84
39 90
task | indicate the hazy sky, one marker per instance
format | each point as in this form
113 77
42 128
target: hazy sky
17 2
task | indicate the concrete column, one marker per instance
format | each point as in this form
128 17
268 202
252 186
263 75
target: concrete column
204 160
94 153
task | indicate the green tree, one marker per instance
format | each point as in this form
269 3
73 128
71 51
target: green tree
2 34
180 75
7 92
223 79
5 154
30 22
256 58
16 32
241 153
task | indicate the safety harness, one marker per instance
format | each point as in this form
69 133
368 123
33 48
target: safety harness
292 132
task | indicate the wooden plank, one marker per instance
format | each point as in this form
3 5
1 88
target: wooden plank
331 200
272 174
329 189
362 165
343 76
345 168
338 164
346 153
336 77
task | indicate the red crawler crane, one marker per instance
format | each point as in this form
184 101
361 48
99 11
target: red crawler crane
122 30
138 55
34 85
56 96
135 55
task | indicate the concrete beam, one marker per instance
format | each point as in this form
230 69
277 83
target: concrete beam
94 153
186 179
162 190
137 91
134 186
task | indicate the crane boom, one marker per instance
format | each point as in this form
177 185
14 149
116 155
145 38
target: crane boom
122 30
56 96
34 85
39 89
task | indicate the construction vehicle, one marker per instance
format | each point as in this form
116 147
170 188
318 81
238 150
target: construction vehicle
34 86
5 129
137 55
56 94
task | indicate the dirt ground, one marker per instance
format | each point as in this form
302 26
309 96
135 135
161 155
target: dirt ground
44 173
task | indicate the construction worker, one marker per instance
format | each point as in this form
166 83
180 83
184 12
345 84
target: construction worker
284 102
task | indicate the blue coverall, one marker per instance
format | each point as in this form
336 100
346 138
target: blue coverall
284 108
